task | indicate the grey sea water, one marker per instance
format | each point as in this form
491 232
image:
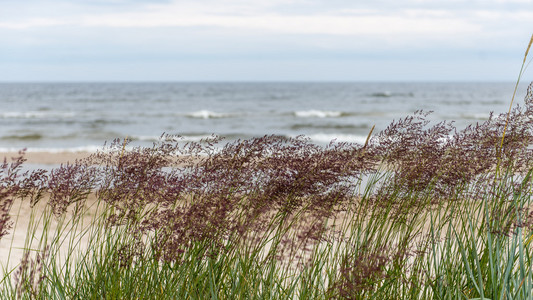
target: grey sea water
82 116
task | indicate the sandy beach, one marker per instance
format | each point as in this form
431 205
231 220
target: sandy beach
48 158
13 244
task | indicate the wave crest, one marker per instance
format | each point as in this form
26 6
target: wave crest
36 114
206 114
318 114
387 94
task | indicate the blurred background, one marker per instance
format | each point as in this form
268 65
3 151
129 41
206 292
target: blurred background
75 74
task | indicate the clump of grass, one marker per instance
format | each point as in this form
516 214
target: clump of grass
419 211
9 187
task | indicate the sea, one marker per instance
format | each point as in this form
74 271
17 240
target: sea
58 117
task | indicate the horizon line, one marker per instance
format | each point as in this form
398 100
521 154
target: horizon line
248 81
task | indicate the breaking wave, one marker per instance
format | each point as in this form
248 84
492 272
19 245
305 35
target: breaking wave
387 94
36 114
206 114
318 114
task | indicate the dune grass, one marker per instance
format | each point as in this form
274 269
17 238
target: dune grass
420 211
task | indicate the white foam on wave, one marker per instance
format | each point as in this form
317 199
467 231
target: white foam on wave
36 114
146 138
317 114
338 137
476 116
206 114
387 94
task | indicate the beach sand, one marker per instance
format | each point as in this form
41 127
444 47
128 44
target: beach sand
13 244
48 158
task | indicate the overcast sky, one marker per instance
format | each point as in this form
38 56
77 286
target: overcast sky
267 40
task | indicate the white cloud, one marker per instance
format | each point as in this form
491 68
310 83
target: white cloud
244 16
296 24
347 22
341 18
33 22
332 32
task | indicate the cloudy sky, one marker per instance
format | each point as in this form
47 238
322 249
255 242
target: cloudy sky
266 40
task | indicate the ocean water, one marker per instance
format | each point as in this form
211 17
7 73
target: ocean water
82 116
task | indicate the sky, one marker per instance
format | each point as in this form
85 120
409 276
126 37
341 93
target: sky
266 40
